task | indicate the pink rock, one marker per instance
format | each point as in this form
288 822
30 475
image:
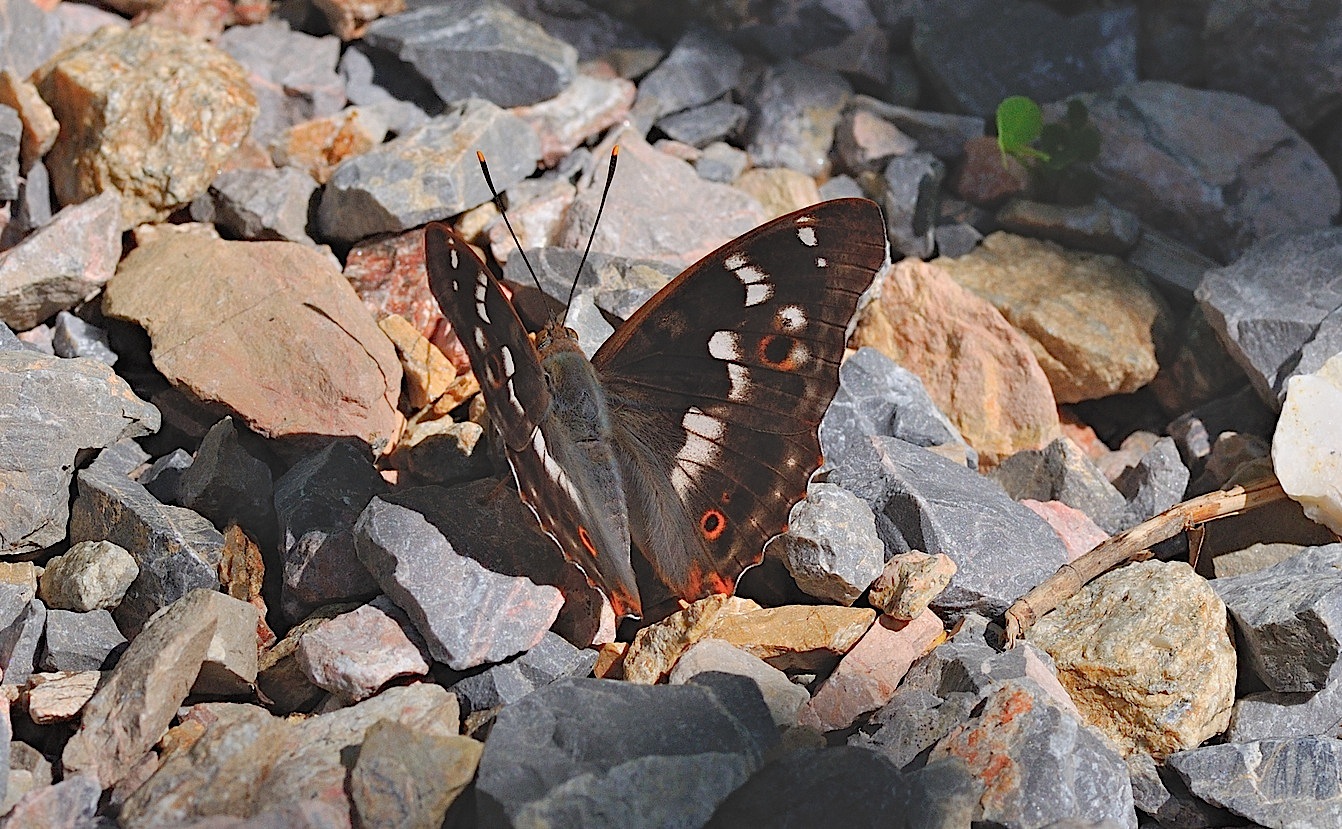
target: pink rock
358 652
867 676
1078 532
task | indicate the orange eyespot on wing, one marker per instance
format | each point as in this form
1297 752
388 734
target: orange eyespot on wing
712 524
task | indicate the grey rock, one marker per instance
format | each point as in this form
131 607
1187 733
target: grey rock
1173 265
317 502
472 49
228 485
1269 714
1289 618
28 770
593 752
1155 484
406 777
20 641
975 54
427 173
830 547
863 58
877 396
28 36
1258 178
163 478
1276 299
905 728
80 641
1062 472
585 318
52 412
261 205
793 113
841 786
701 68
703 125
1160 793
70 804
9 341
1195 432
619 285
293 74
11 133
940 133
1097 226
781 30
784 697
1228 454
956 239
1201 371
468 615
91 575
32 209
553 658
925 502
72 337
125 457
177 550
841 187
1293 782
14 598
374 78
911 199
721 162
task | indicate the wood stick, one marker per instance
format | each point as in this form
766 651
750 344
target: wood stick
1134 545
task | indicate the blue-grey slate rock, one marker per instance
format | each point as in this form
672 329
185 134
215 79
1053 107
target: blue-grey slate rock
841 187
702 125
550 660
905 728
11 133
260 205
9 341
784 697
163 478
80 641
911 198
474 49
226 484
956 239
1293 782
721 162
1062 472
293 74
1269 714
591 752
877 396
976 53
468 615
28 36
176 549
31 209
830 547
794 109
52 413
1289 618
1159 792
72 337
700 68
942 134
1155 483
1273 302
428 173
374 78
317 502
1195 431
618 284
924 502
20 642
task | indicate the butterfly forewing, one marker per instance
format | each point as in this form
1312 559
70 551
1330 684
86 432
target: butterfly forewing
717 385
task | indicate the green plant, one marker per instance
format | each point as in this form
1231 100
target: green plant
1057 155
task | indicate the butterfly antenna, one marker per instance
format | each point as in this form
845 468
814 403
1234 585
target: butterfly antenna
498 202
605 191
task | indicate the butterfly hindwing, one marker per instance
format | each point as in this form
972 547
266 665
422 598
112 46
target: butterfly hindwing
717 385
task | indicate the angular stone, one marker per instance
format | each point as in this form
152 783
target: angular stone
781 190
784 697
59 697
39 125
702 125
1062 472
987 176
280 676
1097 226
164 476
865 142
175 549
585 108
113 95
1157 791
553 658
427 173
1289 617
1155 483
657 647
910 582
924 502
1294 782
1144 653
794 110
52 411
813 787
1038 762
1306 445
634 758
1078 532
468 615
56 267
266 330
349 20
132 709
942 134
1092 321
404 777
72 337
830 548
910 197
230 665
291 74
978 369
618 285
69 804
723 163
868 674
263 205
28 770
20 641
472 49
796 637
228 485
356 653
700 68
318 145
79 641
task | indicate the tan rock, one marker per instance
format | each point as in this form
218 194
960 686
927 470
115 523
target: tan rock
39 124
781 190
656 648
270 331
977 368
867 676
1091 319
1146 653
909 583
58 696
349 19
407 778
145 111
318 145
201 20
427 371
230 664
801 637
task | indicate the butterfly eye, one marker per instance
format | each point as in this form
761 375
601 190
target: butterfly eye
712 523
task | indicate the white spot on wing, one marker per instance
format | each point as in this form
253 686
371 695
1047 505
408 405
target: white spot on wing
821 262
453 258
507 355
740 378
702 433
736 260
480 288
799 354
552 467
479 338
512 398
724 345
756 281
807 236
756 294
791 318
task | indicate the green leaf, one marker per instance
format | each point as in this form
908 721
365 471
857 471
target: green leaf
1019 122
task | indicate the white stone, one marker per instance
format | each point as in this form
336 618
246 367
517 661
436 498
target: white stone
92 575
1307 446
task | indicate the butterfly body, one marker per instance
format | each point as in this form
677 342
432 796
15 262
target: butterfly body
692 431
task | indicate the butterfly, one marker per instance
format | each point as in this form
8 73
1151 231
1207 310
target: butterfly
691 432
